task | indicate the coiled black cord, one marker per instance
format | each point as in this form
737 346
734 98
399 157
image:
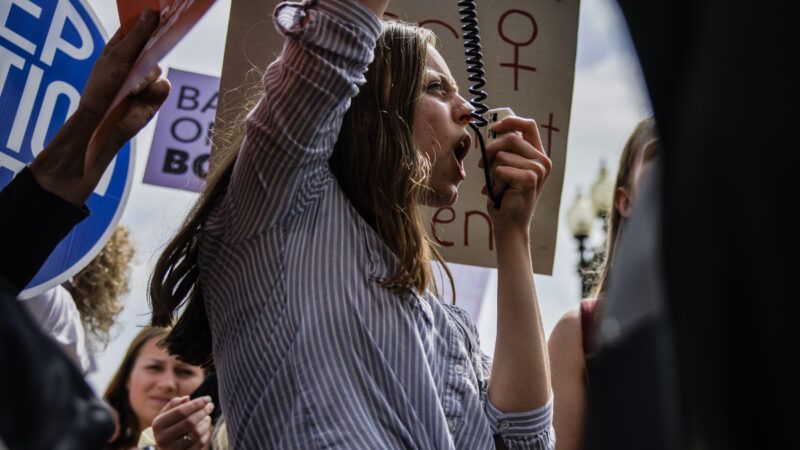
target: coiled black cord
472 51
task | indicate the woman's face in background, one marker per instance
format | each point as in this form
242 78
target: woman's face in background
155 379
651 147
440 130
625 197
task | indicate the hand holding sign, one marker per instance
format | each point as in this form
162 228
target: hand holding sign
59 168
177 18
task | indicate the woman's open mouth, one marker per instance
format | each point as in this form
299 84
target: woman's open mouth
460 151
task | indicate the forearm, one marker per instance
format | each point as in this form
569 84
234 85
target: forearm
308 89
64 177
290 135
32 222
520 379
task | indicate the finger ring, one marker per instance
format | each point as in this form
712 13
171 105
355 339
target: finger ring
186 438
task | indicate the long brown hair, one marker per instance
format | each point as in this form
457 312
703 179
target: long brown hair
175 280
117 392
377 165
633 146
376 162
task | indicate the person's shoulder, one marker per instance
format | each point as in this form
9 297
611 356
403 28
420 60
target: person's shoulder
568 326
452 309
64 305
566 339
52 307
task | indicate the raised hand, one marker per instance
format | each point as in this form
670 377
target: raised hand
59 168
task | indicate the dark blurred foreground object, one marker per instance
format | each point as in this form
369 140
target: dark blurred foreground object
32 222
44 401
46 404
633 378
708 368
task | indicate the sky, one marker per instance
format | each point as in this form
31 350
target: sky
609 98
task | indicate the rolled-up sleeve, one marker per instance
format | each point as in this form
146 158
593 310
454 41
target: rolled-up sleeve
529 430
523 430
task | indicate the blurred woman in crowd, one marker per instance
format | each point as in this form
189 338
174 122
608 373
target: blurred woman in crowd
79 314
148 383
572 340
98 287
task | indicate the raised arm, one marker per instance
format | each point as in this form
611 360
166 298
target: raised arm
520 372
519 387
59 168
290 135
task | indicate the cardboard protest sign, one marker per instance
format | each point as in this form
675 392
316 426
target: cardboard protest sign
129 11
182 140
529 59
177 18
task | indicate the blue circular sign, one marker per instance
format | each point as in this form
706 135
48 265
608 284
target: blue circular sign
47 50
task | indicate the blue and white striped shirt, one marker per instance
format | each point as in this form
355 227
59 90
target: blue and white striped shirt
310 350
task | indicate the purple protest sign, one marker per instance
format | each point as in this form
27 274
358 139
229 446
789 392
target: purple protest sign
182 140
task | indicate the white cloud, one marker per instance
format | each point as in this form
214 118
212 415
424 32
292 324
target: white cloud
601 32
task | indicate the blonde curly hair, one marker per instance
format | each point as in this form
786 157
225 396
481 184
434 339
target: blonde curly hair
97 288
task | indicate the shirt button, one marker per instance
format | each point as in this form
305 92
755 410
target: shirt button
459 369
504 425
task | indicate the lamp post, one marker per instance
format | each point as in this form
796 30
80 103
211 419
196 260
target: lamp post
582 215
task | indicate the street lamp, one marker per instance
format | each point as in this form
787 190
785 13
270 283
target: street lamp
582 215
603 194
